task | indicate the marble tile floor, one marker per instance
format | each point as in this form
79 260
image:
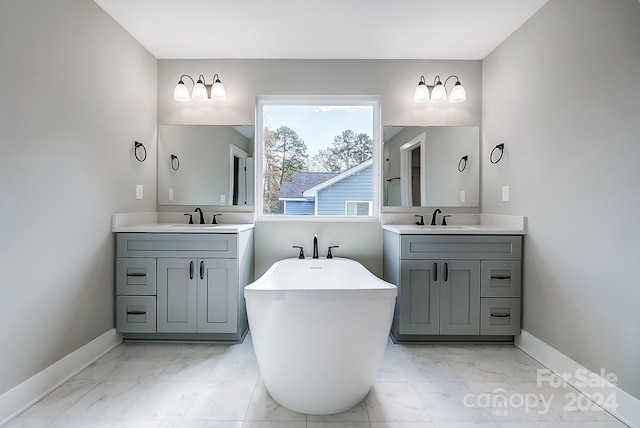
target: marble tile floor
140 385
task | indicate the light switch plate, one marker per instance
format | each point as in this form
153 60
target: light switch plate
505 193
139 191
170 194
223 198
463 196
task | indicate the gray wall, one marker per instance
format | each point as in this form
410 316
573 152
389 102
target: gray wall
563 94
76 92
394 80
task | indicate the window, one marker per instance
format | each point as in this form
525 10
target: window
357 208
317 156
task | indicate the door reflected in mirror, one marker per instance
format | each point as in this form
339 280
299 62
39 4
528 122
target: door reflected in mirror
431 166
215 165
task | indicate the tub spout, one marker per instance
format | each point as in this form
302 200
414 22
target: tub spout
315 246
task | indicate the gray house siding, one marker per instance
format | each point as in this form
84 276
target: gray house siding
299 207
357 187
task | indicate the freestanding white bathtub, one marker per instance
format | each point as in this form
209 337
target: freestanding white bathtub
319 330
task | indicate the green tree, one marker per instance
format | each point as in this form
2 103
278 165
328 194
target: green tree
347 150
284 153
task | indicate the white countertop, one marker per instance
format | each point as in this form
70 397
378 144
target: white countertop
477 229
166 223
459 224
184 228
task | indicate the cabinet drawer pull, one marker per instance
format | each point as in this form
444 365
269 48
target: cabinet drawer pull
136 274
136 312
501 315
201 269
500 277
446 272
435 271
191 269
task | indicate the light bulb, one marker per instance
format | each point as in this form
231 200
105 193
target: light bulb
438 93
181 93
199 90
421 94
218 92
458 94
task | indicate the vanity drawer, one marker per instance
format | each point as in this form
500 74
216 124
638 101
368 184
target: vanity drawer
500 316
186 245
135 276
461 247
500 278
136 314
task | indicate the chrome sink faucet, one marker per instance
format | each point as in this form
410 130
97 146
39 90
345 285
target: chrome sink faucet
315 247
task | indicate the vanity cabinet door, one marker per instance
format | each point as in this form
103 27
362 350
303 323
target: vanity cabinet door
419 297
460 297
217 296
177 280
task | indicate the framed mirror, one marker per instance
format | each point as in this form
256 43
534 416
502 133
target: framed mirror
435 166
205 165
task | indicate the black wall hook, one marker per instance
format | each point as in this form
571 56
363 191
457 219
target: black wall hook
498 147
175 162
136 146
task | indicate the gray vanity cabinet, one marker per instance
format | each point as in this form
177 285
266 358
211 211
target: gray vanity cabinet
457 287
439 297
177 282
183 286
196 295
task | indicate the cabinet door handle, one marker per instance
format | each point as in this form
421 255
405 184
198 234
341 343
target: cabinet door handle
446 272
501 315
191 269
136 312
201 269
500 277
136 274
435 271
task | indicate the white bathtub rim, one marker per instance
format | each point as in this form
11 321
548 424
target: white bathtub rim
380 285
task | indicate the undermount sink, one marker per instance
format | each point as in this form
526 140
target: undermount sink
435 229
190 226
447 227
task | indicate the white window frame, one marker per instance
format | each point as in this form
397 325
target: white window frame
318 100
346 209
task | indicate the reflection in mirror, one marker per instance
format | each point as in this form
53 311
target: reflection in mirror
216 165
435 166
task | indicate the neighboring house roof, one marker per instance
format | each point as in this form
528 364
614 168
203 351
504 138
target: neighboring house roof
301 181
312 192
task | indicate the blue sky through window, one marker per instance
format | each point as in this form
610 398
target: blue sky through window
318 125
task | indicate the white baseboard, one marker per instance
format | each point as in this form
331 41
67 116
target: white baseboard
24 395
628 407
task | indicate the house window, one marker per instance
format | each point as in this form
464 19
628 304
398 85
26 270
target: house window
317 157
357 208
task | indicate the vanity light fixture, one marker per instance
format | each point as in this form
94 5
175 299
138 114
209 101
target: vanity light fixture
201 90
439 91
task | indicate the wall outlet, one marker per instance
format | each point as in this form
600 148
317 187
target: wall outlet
223 198
463 196
139 191
505 193
170 194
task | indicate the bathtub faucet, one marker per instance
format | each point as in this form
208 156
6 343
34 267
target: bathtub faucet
315 247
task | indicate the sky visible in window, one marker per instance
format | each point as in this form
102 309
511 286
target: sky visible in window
318 125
